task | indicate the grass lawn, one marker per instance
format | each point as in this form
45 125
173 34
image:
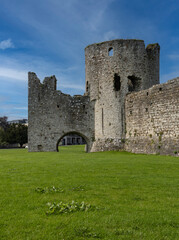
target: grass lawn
136 196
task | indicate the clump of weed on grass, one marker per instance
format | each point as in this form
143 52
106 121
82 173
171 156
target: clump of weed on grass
122 231
137 198
60 208
86 232
78 188
49 190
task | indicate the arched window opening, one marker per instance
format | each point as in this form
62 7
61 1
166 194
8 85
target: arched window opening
134 83
72 138
110 52
117 82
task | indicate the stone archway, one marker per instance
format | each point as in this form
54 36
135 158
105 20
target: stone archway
77 133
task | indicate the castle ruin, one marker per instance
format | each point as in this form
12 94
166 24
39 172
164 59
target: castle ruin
124 106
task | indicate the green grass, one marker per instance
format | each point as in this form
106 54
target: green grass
137 196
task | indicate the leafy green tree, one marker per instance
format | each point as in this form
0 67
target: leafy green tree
3 122
21 134
3 126
12 133
16 133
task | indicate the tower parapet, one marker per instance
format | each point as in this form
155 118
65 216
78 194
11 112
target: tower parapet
153 54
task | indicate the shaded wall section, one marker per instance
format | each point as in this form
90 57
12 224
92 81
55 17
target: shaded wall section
152 119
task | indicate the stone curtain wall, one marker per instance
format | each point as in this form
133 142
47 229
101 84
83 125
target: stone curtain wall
52 115
152 120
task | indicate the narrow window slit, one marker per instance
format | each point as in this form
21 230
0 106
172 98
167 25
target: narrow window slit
117 82
87 86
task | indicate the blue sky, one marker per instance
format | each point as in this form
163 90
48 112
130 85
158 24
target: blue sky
49 36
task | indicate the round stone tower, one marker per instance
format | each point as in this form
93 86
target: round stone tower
113 69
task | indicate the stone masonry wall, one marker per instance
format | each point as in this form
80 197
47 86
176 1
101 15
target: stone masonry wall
53 114
152 119
110 77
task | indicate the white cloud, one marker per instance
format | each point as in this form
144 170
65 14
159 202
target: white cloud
22 75
72 86
13 73
174 56
15 69
169 76
16 116
12 112
6 44
21 108
96 14
110 35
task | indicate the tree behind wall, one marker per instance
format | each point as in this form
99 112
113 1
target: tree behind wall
16 133
12 133
3 126
3 122
21 134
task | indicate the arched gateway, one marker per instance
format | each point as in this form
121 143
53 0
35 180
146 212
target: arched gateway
86 140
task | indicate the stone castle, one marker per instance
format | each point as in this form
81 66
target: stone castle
124 106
